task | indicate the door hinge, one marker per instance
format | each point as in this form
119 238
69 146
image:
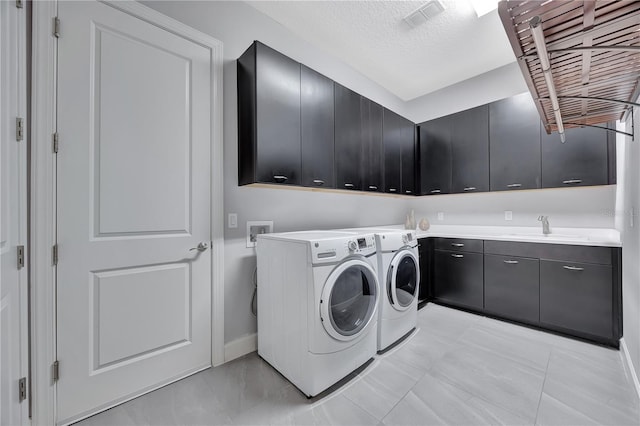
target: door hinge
20 257
22 389
54 255
56 27
55 371
19 4
19 128
55 143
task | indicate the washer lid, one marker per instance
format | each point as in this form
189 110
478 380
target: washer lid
307 235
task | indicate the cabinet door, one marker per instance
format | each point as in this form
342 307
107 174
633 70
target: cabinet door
458 278
577 297
408 138
348 142
371 131
581 161
512 287
470 150
316 102
277 117
514 138
391 131
435 156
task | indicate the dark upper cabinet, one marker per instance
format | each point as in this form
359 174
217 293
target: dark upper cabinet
470 150
348 141
434 145
371 136
399 154
268 117
514 135
581 161
317 122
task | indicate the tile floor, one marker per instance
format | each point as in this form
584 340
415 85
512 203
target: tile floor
457 368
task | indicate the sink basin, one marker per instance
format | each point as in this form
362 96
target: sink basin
552 237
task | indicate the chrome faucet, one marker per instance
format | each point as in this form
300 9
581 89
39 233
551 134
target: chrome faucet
545 224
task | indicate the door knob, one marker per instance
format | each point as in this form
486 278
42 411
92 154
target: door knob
201 247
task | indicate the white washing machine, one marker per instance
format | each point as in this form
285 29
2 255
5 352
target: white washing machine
317 305
399 276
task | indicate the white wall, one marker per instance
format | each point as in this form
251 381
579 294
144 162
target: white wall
237 24
631 245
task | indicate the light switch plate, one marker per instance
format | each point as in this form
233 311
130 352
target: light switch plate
232 220
256 227
440 215
508 215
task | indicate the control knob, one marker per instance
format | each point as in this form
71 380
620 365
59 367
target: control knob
353 246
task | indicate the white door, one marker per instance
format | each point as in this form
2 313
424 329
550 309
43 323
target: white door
134 124
13 214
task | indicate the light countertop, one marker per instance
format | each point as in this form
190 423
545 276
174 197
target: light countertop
572 236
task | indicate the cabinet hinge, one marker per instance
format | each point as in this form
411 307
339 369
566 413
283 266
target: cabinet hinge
19 4
55 371
19 128
55 143
54 255
22 389
56 27
20 257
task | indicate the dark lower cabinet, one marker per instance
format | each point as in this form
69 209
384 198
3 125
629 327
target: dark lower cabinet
512 287
458 278
581 161
348 141
434 146
316 114
268 117
577 297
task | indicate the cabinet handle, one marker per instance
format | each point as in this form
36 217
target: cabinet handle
435 191
392 190
511 262
318 182
457 245
469 188
373 187
514 185
280 178
457 256
348 185
408 192
573 268
571 181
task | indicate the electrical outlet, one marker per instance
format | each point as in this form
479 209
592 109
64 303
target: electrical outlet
440 215
508 215
257 227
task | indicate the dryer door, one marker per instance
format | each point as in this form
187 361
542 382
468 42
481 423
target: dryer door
349 299
403 279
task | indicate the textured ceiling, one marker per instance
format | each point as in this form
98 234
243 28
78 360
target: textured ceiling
372 37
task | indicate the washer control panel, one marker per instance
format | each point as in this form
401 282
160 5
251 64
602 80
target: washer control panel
334 250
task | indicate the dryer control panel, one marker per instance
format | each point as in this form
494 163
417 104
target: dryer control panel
336 249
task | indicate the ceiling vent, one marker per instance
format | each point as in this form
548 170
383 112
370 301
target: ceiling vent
425 12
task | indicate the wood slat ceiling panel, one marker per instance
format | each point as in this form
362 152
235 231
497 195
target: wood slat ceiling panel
567 24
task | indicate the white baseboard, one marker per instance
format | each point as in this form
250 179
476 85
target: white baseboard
629 365
239 347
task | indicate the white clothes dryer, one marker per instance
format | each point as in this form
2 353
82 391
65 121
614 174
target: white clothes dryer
317 305
399 276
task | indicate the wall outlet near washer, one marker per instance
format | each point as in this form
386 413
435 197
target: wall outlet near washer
256 227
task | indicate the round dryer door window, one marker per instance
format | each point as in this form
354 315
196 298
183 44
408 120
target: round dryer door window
403 280
349 299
